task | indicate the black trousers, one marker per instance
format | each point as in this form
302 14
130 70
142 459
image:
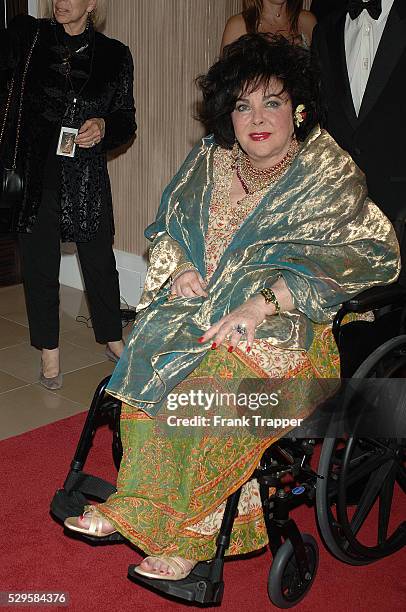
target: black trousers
40 259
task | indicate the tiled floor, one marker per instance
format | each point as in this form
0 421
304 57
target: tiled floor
24 403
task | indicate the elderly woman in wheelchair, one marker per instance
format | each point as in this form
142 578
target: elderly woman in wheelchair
263 232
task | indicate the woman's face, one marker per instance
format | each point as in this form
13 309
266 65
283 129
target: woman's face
263 124
72 11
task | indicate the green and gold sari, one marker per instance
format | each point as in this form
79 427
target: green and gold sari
317 228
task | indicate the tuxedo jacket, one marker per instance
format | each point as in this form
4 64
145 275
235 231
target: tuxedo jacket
376 139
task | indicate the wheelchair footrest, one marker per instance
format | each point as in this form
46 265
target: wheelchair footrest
65 504
89 485
203 585
78 488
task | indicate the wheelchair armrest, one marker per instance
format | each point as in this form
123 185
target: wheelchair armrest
371 299
376 297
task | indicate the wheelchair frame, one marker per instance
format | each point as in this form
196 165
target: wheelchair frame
295 555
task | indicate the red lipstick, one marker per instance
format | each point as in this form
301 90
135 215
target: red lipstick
259 136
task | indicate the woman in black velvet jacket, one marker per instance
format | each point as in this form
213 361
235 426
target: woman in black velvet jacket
77 78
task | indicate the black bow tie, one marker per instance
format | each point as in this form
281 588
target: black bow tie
374 8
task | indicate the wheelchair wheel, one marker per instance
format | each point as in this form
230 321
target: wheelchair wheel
285 587
360 476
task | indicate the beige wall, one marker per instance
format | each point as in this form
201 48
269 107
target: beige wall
172 41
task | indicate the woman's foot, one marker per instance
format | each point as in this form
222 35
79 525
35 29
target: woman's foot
90 523
114 350
50 362
165 568
50 376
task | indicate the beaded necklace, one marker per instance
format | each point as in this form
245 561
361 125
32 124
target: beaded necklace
254 179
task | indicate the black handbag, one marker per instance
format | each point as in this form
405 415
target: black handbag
12 178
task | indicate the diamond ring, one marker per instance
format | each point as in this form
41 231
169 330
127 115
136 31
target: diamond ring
240 329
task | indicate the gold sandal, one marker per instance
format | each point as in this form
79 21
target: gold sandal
175 563
95 526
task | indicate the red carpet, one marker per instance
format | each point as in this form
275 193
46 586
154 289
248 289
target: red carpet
36 556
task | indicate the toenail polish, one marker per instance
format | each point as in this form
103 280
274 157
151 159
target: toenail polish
248 349
214 345
200 339
230 349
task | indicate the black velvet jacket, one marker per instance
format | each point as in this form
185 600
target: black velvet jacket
105 69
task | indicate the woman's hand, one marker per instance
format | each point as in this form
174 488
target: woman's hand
189 284
249 315
91 133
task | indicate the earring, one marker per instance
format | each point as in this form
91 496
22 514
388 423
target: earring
89 23
299 115
53 20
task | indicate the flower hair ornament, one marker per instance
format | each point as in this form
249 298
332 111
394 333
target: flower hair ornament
299 115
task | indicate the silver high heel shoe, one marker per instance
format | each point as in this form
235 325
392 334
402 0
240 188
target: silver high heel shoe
110 355
52 384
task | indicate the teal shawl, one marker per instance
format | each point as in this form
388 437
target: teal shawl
315 226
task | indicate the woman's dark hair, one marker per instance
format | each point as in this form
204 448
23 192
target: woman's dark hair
250 62
252 10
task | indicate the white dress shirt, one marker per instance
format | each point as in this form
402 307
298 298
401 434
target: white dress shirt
362 37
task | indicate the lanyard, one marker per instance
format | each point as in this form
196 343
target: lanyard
67 66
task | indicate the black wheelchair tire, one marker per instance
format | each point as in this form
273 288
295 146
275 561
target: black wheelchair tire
324 514
283 557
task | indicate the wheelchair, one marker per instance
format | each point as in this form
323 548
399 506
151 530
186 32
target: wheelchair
355 473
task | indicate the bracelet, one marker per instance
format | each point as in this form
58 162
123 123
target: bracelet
270 298
185 267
